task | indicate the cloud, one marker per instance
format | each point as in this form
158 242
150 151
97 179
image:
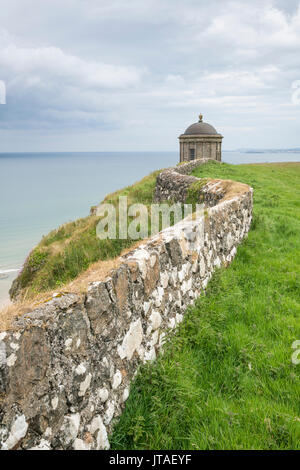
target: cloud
258 27
56 86
115 70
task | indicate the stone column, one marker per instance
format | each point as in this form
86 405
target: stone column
214 150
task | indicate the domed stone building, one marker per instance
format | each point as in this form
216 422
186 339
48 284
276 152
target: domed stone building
200 140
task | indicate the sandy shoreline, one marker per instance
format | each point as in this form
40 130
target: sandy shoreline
5 284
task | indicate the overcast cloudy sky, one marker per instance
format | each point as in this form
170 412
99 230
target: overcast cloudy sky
133 74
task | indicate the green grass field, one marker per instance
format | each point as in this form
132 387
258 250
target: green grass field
226 379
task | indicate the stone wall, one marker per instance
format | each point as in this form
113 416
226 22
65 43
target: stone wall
174 183
66 367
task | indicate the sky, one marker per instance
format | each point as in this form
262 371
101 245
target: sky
98 75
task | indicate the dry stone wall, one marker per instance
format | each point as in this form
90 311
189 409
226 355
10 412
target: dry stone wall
173 184
66 367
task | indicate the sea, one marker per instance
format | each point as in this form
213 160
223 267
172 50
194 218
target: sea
41 191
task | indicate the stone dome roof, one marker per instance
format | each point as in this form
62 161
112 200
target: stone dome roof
200 128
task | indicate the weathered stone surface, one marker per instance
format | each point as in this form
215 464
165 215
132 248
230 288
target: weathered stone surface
173 184
28 373
17 432
152 276
99 308
132 340
66 369
120 280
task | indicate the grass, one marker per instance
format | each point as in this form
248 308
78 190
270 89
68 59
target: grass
68 251
226 380
195 193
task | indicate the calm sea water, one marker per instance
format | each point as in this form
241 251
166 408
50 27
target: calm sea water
41 191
